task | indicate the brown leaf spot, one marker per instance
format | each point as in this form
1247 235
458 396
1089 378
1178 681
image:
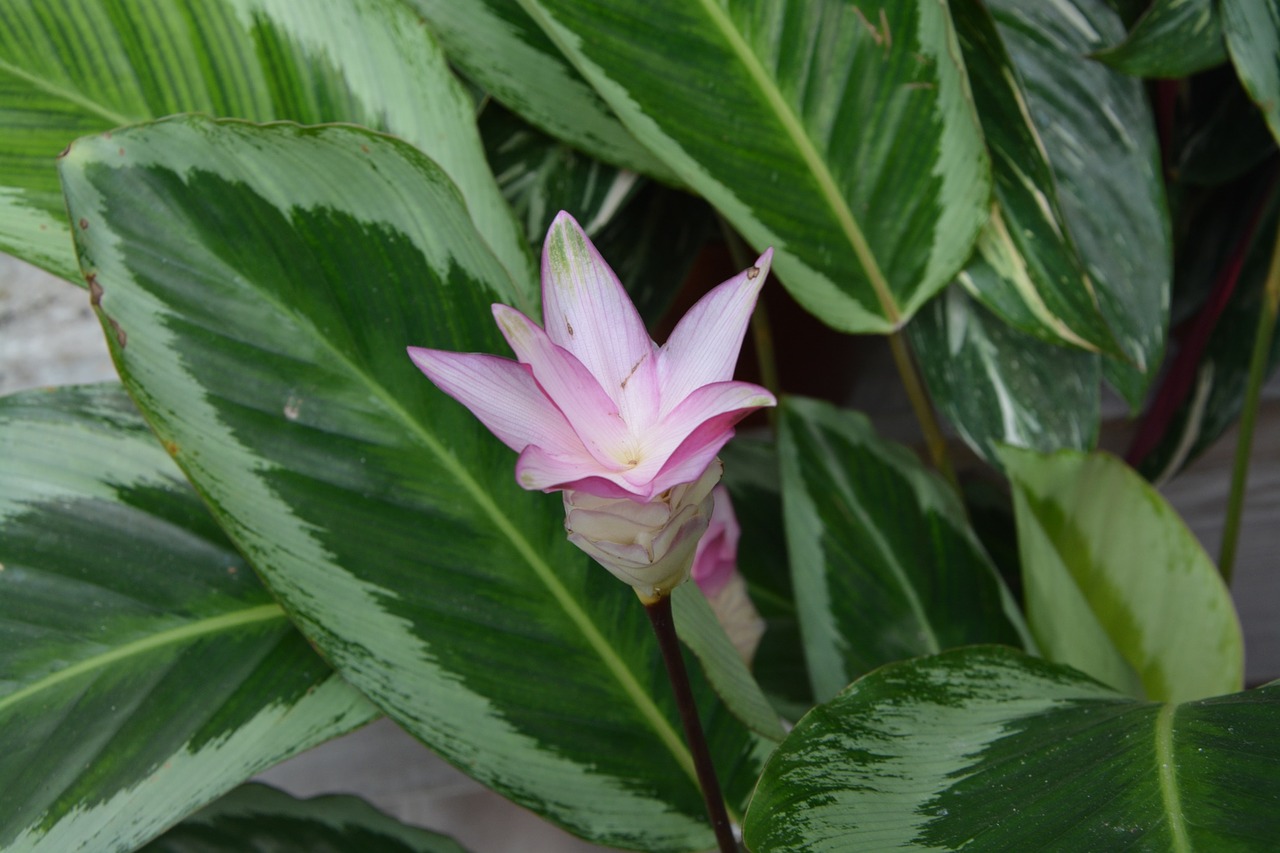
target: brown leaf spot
364 148
95 290
753 273
122 152
65 151
84 224
171 447
121 337
568 327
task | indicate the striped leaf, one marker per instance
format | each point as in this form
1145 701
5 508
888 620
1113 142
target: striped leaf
986 749
258 286
840 133
997 385
1098 133
1172 39
1252 31
260 818
143 669
1115 585
1026 269
499 46
73 67
884 564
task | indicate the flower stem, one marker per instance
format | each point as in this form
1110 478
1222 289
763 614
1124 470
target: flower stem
1249 414
923 408
664 628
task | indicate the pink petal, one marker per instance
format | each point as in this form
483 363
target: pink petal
502 394
699 428
539 470
586 310
704 346
589 410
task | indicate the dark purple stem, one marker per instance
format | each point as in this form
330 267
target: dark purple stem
664 628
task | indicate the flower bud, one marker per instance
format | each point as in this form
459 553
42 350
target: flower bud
715 571
648 545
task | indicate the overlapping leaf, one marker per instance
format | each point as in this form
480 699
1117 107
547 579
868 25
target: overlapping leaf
1253 39
998 385
884 564
1097 130
986 749
840 133
1115 585
73 67
1173 38
258 817
143 668
258 286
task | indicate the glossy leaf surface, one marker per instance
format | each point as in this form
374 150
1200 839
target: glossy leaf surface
1115 585
260 818
1098 132
998 385
838 133
258 286
884 564
74 67
1173 38
1253 40
144 670
987 749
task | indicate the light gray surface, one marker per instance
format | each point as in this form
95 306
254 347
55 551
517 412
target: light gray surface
48 336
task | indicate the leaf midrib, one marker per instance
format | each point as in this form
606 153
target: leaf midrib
795 131
51 88
178 636
1167 771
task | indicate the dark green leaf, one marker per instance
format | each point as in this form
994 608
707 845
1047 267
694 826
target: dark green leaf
497 44
997 385
986 749
1173 38
1099 135
839 133
1115 585
884 564
1252 30
260 819
74 67
143 668
259 286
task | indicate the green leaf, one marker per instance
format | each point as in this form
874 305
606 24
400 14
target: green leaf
258 286
997 385
1173 38
499 46
1115 584
884 564
259 817
143 669
699 630
985 749
1253 39
73 67
1099 135
839 133
1027 269
649 233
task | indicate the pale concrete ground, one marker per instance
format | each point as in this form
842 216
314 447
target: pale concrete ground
49 336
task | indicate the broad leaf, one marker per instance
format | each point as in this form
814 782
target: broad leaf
997 385
650 234
840 133
1253 39
258 817
1115 585
884 564
73 67
499 46
258 286
1099 135
1027 269
1174 38
143 668
986 749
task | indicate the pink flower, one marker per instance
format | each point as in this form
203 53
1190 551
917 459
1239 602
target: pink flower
627 429
715 571
592 404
